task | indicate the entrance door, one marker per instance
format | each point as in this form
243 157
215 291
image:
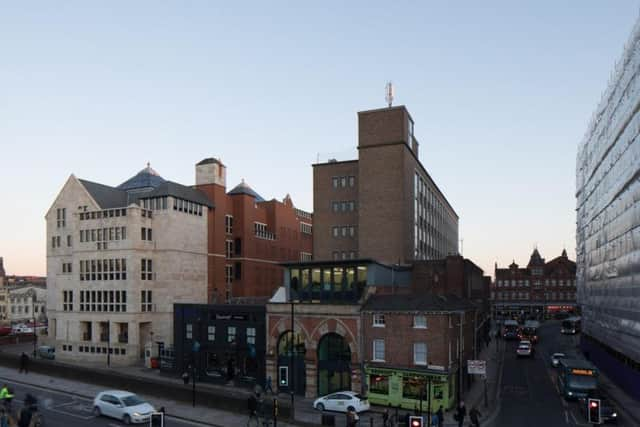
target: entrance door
334 364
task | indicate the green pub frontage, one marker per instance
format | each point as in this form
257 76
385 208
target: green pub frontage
406 387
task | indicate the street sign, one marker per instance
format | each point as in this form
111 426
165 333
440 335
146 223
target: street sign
477 367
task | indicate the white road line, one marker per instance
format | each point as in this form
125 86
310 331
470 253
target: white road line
574 418
566 417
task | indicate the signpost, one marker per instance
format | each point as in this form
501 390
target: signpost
479 367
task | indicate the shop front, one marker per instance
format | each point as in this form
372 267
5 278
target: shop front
408 387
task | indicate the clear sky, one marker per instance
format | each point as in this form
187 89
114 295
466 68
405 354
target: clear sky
501 93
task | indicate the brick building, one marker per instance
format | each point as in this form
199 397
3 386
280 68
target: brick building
384 205
413 346
538 290
333 303
248 237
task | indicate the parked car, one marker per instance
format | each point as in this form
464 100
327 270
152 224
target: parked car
608 412
524 349
47 352
122 405
555 359
342 401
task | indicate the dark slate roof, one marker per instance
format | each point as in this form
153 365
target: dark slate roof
243 188
169 188
416 303
146 178
107 197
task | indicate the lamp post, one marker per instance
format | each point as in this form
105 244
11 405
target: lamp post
292 369
35 334
108 343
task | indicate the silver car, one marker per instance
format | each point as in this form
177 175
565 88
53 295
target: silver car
122 405
555 359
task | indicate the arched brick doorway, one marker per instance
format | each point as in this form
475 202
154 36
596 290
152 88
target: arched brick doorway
334 364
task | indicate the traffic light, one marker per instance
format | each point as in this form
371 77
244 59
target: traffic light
594 411
415 421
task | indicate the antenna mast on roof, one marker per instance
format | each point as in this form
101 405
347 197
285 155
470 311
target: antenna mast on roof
389 93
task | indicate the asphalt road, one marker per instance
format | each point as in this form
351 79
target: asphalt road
528 394
64 410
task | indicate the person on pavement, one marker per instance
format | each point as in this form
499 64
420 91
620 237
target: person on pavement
24 363
6 397
385 417
252 406
461 413
440 415
4 418
268 387
475 415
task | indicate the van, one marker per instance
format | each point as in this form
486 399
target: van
47 352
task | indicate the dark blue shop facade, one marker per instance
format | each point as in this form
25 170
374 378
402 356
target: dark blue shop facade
218 343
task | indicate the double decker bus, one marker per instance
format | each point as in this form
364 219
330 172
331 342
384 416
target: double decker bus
510 330
530 331
571 325
577 378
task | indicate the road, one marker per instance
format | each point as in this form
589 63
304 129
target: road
528 393
64 410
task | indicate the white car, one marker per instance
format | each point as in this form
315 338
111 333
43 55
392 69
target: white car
555 359
342 401
524 349
125 406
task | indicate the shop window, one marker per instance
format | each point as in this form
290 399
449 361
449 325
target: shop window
379 384
412 387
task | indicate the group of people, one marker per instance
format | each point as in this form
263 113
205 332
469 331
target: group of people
461 413
28 415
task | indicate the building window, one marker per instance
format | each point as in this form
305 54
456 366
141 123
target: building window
61 216
420 322
251 335
69 240
231 333
146 271
67 298
305 256
237 271
146 234
352 231
306 228
420 353
336 232
335 181
378 320
228 224
352 181
228 273
229 248
146 299
378 350
335 206
189 331
336 255
343 181
211 333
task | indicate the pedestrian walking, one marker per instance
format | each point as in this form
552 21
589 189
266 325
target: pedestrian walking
352 418
24 363
4 418
252 406
268 386
461 413
185 377
475 415
385 418
440 414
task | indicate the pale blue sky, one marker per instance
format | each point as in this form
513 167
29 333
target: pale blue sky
501 93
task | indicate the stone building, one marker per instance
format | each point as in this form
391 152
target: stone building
248 237
118 258
25 303
384 205
538 290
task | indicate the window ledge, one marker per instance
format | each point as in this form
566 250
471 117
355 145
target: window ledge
378 326
420 327
378 360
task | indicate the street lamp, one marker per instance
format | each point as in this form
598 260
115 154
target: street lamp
291 368
35 335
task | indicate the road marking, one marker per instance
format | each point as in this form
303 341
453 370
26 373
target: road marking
566 416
